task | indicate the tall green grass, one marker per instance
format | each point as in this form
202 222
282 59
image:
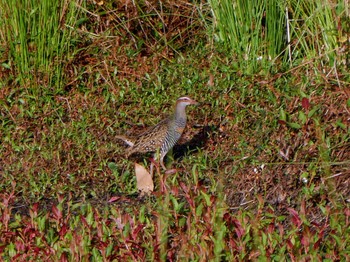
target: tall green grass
265 32
37 36
313 30
254 31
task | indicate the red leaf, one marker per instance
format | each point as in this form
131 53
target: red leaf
56 213
112 199
289 244
282 122
305 241
102 245
136 231
281 230
305 103
295 217
227 217
35 207
232 244
190 201
271 228
175 190
318 243
63 231
184 187
83 219
20 246
239 229
63 258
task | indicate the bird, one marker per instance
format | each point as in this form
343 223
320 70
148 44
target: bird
160 138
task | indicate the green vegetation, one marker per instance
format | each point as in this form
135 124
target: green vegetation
262 169
265 33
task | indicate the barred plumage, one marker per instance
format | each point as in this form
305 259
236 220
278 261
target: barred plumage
163 136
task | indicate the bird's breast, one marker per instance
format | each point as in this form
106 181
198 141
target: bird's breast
180 130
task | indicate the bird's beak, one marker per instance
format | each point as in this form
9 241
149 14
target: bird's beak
194 102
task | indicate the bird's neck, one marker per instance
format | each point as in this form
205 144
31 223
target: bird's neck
180 113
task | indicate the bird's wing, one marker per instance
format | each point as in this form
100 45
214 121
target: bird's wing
152 139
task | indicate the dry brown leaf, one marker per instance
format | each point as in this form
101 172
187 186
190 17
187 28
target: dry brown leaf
211 80
144 180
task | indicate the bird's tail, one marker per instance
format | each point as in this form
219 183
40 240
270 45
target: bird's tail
127 140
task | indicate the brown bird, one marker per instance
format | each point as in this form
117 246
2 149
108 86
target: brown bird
163 136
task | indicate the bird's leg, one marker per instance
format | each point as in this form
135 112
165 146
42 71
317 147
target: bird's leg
161 160
153 163
167 171
151 167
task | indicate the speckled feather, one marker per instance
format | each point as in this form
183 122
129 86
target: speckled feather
150 140
164 135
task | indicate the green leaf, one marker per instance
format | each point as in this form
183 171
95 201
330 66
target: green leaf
42 223
207 198
175 203
109 249
283 115
340 124
294 125
12 249
182 221
96 255
312 112
142 217
90 218
5 65
112 166
199 209
302 117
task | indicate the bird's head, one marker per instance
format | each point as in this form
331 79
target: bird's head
185 101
